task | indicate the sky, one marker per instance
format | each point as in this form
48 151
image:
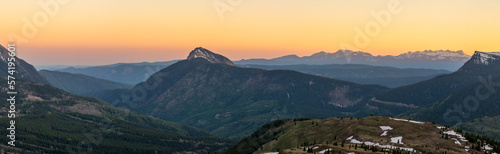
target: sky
97 32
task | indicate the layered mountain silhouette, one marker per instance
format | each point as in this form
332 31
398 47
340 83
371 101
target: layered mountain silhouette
440 59
24 70
207 92
127 73
50 120
363 74
80 84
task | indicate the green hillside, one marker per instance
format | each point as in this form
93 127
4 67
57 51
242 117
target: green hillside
487 125
50 120
365 135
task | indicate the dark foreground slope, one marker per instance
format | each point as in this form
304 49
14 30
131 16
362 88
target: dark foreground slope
365 135
49 120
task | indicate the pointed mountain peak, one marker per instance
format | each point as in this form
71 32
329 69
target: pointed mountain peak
201 52
485 58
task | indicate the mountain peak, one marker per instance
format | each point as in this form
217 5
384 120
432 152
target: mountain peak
485 58
201 52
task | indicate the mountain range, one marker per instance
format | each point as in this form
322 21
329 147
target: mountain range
207 92
440 59
318 64
205 102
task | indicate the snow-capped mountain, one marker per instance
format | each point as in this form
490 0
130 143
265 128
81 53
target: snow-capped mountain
486 58
200 52
435 55
482 62
439 59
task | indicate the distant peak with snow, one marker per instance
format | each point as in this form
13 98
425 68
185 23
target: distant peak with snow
485 58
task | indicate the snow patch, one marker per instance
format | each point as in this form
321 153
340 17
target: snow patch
396 139
349 138
393 140
384 134
411 121
456 141
356 141
323 151
369 143
487 147
451 132
384 128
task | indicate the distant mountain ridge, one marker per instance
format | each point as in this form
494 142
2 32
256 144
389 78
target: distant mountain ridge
127 73
80 84
440 59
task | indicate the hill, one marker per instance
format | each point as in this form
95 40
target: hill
80 84
49 120
365 135
231 101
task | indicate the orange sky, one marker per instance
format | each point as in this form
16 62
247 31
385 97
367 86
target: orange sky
96 32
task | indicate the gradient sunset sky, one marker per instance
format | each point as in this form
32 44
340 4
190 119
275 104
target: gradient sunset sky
97 32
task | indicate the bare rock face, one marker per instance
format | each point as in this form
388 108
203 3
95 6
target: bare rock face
200 52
